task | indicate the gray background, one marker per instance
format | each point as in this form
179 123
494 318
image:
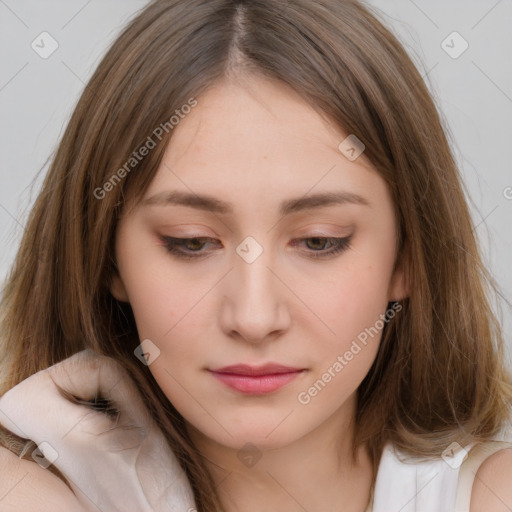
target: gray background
472 91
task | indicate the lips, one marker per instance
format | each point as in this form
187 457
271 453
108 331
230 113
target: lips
256 380
267 369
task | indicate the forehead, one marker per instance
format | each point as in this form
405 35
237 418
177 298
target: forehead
255 120
257 147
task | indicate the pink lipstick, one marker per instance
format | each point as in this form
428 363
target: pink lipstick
256 380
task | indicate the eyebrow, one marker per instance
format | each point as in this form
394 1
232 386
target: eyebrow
214 205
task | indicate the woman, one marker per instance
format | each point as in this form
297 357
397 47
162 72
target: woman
253 261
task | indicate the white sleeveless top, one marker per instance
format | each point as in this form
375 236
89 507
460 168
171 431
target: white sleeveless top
444 484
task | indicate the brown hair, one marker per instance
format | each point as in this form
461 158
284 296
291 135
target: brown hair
438 376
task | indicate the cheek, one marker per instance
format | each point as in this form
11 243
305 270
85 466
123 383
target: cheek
164 316
351 302
354 307
158 292
355 310
163 302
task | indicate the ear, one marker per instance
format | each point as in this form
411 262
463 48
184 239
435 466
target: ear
399 284
117 288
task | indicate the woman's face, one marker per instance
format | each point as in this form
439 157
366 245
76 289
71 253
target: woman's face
277 275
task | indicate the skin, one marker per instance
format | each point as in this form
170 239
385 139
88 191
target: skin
491 487
254 143
25 486
200 317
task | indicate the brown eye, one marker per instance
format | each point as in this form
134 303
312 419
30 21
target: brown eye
318 243
186 248
191 248
318 249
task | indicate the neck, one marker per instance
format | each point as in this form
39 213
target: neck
315 472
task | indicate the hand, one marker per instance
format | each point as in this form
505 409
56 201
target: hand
117 462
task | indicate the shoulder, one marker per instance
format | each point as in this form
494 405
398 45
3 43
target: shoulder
491 487
26 486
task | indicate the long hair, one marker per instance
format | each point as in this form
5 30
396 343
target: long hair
438 376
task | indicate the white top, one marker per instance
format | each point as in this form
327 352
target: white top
444 484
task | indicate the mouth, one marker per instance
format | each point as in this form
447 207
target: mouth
256 380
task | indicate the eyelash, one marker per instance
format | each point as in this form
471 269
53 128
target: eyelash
171 244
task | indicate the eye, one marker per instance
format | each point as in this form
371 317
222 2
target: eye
191 248
335 246
175 246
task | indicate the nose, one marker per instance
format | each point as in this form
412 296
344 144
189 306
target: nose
254 307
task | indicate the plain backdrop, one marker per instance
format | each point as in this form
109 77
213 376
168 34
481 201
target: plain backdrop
463 49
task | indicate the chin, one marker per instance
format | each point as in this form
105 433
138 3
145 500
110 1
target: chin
262 436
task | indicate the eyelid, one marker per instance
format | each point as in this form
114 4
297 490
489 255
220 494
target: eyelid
326 230
189 231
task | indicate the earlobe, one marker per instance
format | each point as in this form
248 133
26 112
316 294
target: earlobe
117 289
